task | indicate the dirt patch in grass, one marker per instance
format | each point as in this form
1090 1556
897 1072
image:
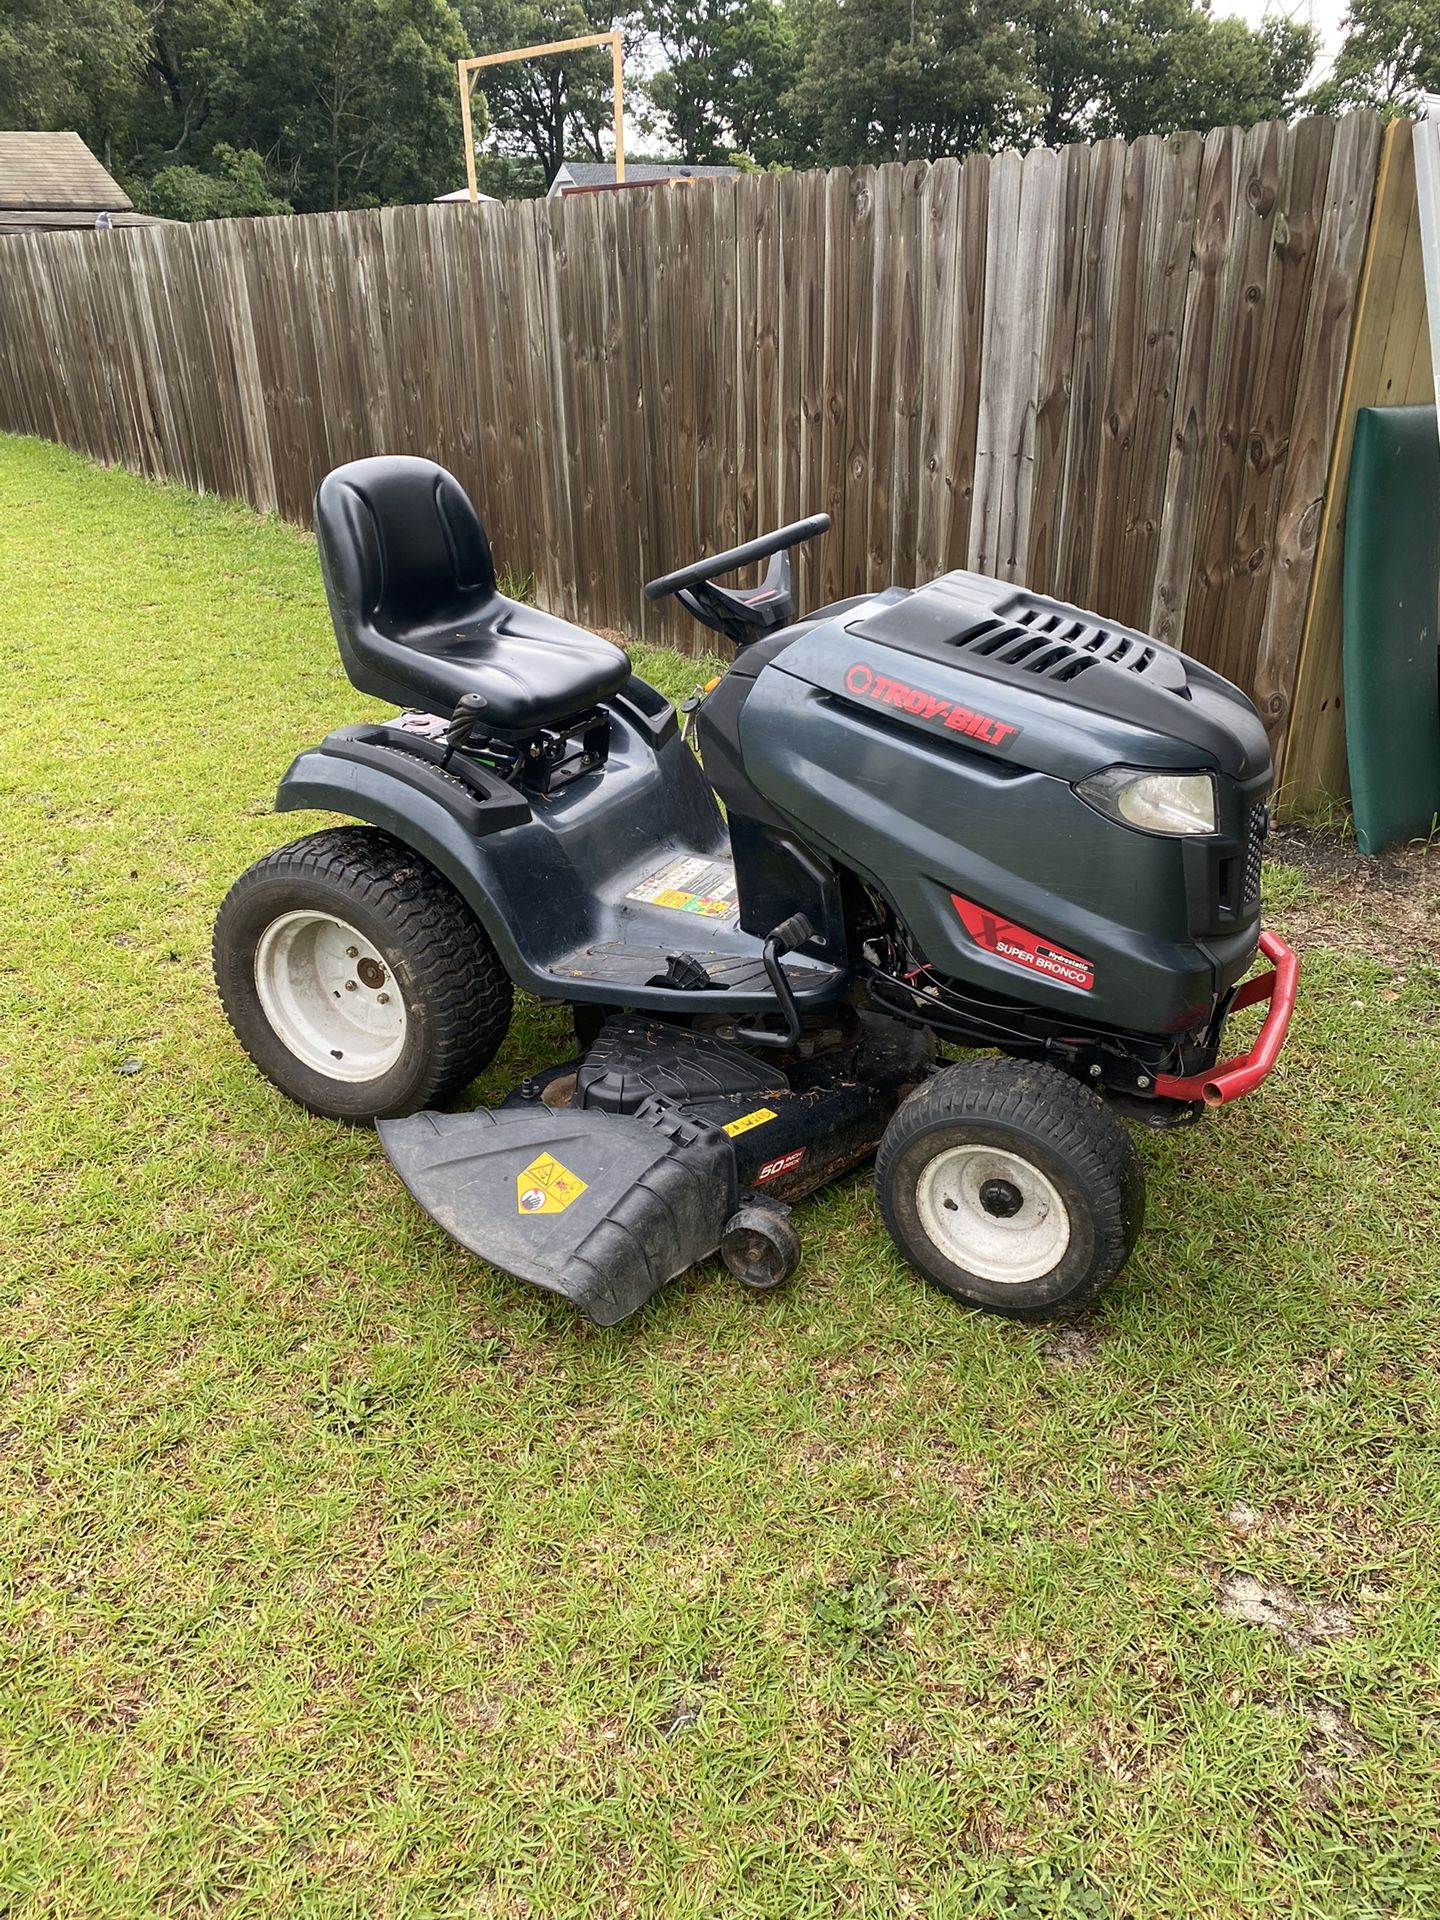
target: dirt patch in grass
1072 1344
1386 906
1274 1608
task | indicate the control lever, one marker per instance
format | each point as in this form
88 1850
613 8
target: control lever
783 939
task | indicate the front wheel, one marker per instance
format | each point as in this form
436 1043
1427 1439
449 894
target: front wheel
1010 1186
356 978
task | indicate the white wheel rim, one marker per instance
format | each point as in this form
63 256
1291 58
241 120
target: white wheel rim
993 1214
330 995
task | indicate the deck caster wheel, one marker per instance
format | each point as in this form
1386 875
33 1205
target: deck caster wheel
1010 1186
760 1247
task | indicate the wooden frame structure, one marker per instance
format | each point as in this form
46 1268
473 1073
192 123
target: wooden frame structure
467 69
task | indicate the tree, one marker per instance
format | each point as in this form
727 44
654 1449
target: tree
543 110
356 100
195 87
233 106
909 79
72 66
1391 53
237 185
1159 66
729 66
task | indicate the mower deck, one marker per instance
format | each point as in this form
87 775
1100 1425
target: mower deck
603 1178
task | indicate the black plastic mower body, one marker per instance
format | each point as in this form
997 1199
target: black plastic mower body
922 750
557 879
963 812
932 742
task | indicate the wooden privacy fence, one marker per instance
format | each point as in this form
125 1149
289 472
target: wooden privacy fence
1112 372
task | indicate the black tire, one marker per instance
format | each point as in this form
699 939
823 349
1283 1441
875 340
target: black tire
455 994
998 1123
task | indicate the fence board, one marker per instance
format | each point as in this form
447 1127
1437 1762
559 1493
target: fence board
899 562
885 277
1085 520
1111 372
807 260
1003 401
835 279
1054 361
852 524
1161 184
1295 503
941 324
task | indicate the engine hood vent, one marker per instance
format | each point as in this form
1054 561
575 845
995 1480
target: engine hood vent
1007 627
1061 647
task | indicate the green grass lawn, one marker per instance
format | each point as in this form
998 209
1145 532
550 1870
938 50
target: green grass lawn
341 1575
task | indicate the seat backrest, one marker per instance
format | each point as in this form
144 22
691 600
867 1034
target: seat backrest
400 545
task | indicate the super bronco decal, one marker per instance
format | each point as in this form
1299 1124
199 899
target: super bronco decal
1022 948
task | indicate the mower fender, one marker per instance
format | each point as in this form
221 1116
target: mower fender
442 827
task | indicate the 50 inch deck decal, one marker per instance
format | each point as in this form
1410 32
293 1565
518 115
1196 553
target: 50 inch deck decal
1023 948
866 684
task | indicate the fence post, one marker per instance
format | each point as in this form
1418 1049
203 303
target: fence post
1388 365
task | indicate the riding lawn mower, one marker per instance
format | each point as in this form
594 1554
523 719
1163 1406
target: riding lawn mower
962 816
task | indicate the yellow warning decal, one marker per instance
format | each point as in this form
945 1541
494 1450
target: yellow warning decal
749 1120
691 885
547 1187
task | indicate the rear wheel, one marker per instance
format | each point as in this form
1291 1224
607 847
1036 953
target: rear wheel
1010 1186
356 978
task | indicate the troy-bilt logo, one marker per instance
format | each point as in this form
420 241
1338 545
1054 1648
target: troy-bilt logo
864 682
1021 947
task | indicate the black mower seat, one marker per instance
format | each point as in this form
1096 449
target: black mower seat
412 593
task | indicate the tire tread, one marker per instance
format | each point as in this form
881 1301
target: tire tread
467 993
1045 1103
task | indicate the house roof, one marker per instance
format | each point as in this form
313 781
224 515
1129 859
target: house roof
55 173
601 173
13 220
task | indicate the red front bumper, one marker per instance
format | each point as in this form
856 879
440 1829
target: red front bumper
1246 1070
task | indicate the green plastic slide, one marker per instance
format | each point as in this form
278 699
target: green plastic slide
1392 585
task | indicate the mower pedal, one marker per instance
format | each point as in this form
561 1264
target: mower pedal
602 1208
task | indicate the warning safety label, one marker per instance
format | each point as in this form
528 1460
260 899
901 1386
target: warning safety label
691 885
547 1187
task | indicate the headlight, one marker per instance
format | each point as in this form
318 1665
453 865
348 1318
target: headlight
1154 802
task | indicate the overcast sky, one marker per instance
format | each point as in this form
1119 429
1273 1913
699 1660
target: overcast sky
1324 15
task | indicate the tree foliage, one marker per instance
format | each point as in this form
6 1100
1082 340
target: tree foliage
1391 53
75 65
807 82
911 79
236 185
727 72
208 107
1159 66
356 100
